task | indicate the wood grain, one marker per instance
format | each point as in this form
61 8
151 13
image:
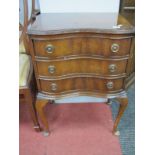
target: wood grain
61 23
85 65
81 84
80 56
77 45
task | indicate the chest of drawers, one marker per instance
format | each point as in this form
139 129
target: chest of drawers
74 55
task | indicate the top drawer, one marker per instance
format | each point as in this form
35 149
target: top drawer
82 46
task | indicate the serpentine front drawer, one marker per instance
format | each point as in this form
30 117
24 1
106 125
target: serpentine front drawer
81 65
77 84
107 46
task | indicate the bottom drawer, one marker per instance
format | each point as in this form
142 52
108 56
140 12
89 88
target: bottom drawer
81 84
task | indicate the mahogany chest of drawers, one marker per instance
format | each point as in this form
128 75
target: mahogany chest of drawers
80 54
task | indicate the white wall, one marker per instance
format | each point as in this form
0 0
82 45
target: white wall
79 5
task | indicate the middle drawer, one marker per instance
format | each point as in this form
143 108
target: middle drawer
80 66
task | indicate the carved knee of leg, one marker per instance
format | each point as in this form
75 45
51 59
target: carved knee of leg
123 101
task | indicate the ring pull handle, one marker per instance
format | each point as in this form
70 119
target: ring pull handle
53 86
112 68
51 69
49 48
114 47
110 85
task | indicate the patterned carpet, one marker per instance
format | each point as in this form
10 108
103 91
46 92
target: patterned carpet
76 129
127 124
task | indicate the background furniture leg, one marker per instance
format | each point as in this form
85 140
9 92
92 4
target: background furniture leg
30 102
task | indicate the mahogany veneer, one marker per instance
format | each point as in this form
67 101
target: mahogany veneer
76 44
81 54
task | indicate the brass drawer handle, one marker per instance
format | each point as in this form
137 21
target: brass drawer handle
114 47
51 69
110 85
112 68
53 86
49 48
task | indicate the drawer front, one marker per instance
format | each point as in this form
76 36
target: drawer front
82 46
81 66
81 84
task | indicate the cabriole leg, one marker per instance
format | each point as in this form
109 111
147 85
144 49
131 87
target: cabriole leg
30 102
123 104
40 105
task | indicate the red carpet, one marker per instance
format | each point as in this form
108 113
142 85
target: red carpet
77 129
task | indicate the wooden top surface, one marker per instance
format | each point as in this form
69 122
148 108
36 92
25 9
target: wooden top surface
59 23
